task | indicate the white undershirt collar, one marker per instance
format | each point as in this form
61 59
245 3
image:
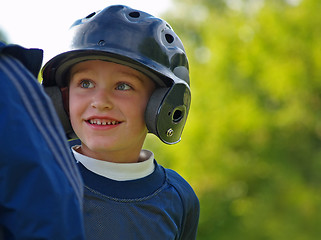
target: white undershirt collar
118 171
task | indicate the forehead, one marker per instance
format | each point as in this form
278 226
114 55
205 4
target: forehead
100 66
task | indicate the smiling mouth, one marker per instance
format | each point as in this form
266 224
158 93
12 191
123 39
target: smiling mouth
102 122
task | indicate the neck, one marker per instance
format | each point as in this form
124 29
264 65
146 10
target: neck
132 156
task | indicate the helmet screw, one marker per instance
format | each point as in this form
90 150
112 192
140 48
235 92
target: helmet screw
170 132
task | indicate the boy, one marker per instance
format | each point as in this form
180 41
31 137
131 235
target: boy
41 187
124 75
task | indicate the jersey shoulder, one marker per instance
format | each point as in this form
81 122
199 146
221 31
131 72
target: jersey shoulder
183 188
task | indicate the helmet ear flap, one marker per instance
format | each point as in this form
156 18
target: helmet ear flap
154 105
57 98
167 111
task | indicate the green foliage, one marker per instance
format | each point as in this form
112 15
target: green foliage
251 148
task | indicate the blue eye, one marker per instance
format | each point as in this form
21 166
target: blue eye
86 84
123 87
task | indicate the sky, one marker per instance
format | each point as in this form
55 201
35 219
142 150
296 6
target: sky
43 24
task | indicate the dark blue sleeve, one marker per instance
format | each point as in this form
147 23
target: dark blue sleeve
190 204
41 189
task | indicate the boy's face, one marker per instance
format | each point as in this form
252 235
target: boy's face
107 102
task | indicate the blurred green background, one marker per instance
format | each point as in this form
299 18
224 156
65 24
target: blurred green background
251 148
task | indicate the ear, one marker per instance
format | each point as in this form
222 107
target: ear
167 111
58 97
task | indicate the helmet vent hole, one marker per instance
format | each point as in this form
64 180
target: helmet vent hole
90 15
101 42
169 38
177 116
134 14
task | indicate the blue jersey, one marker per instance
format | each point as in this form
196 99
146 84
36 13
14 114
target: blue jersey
159 206
41 188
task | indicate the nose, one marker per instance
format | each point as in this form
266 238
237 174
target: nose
102 100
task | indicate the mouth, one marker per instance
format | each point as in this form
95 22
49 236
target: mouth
103 122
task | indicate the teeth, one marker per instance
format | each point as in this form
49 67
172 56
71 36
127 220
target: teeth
102 122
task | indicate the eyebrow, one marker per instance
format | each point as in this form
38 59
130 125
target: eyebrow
129 71
79 71
139 75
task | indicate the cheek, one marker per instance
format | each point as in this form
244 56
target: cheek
74 107
140 107
134 108
72 115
